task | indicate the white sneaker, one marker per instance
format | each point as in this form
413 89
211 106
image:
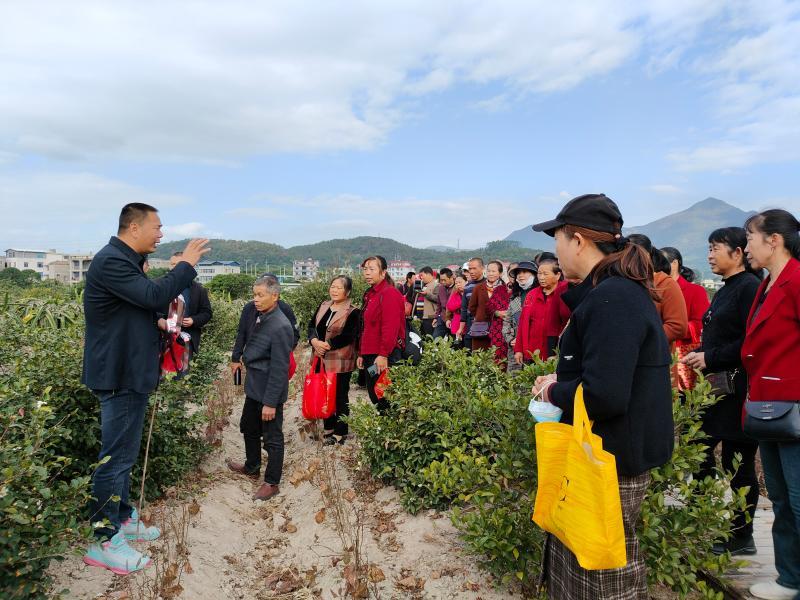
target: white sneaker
772 590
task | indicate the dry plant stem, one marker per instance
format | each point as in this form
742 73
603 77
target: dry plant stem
140 503
349 523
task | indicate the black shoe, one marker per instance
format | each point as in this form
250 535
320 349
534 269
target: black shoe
737 546
333 440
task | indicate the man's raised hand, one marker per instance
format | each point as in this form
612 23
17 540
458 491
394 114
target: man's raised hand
195 250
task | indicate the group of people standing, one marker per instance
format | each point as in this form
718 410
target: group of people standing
613 307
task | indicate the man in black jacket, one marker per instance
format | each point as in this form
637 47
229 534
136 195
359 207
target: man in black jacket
248 318
268 345
121 366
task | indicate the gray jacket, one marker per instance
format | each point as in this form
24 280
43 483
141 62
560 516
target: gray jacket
266 356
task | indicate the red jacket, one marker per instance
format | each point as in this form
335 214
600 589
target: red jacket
696 306
384 320
541 319
771 348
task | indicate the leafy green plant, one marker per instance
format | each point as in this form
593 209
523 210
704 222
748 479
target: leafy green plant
39 513
457 434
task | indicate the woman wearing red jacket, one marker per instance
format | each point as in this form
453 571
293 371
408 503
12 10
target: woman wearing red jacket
383 325
770 356
697 304
544 315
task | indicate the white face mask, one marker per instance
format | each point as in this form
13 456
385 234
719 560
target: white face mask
528 284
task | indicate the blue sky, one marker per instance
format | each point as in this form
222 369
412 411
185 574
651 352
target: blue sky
430 124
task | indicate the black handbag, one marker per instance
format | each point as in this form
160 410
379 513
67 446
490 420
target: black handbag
722 383
772 421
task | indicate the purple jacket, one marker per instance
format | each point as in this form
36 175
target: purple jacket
444 296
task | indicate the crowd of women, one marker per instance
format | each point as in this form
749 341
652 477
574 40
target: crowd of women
616 308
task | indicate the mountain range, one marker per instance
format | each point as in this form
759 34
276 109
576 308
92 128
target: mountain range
686 230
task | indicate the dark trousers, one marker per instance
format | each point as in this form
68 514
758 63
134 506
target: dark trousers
254 429
745 477
334 423
440 330
122 415
427 327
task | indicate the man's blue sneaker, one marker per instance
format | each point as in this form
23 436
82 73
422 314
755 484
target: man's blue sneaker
116 556
136 531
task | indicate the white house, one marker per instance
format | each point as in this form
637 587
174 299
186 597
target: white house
206 271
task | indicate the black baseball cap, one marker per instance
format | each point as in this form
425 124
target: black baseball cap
597 212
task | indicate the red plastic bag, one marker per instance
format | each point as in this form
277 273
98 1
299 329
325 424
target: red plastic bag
319 392
292 365
172 359
382 383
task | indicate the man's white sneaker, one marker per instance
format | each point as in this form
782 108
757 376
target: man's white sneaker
772 590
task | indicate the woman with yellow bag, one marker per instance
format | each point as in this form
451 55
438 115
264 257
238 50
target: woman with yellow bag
615 361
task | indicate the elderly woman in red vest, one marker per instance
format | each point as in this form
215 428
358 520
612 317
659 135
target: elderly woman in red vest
770 355
544 315
333 334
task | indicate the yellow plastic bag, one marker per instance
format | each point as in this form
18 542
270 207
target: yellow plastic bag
578 495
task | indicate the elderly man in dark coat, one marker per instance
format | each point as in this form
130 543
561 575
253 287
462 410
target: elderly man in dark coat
269 342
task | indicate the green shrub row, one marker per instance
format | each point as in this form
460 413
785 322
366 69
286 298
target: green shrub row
458 435
49 431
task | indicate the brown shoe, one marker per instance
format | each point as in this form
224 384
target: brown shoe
239 468
266 491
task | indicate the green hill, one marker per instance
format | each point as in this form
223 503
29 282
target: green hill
346 252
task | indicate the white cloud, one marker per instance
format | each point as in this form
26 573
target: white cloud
188 230
204 80
754 83
70 211
665 188
420 222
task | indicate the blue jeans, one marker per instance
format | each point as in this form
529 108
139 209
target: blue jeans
781 462
122 415
440 330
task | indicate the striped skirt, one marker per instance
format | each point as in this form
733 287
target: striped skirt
565 579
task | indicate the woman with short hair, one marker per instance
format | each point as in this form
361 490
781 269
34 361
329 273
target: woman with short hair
523 275
719 357
488 305
333 335
383 325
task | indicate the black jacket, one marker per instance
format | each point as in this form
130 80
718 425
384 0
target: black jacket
199 309
121 350
615 345
724 325
266 356
247 321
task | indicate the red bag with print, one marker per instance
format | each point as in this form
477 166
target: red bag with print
382 383
319 392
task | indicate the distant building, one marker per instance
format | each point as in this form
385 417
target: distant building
399 268
78 266
305 269
206 271
59 270
158 263
712 284
32 260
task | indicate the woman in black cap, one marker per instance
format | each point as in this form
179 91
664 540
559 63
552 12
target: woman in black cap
615 346
523 275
